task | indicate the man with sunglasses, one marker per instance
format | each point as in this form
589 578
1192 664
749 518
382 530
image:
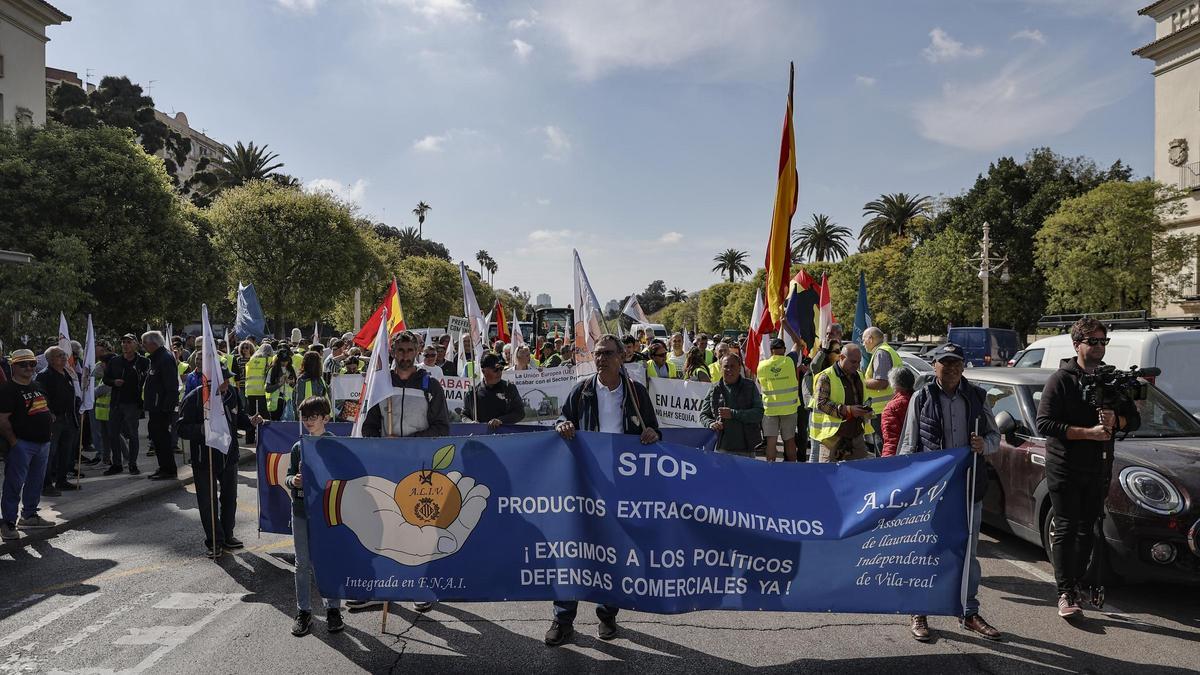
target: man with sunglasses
495 401
25 425
1079 453
609 402
659 365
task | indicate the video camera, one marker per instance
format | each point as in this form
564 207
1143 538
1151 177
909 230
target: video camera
1108 387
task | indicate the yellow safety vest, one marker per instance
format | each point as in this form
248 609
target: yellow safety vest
298 361
714 371
780 389
878 399
820 425
672 372
227 361
102 401
308 392
256 376
709 358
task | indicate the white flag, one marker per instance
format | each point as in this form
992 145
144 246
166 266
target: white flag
64 343
589 318
89 363
634 311
377 387
687 341
471 308
217 434
516 339
316 334
169 337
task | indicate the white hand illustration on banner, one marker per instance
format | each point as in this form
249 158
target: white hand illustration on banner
374 509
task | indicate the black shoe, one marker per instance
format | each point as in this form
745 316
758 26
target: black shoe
76 474
51 491
69 486
209 550
150 452
133 470
333 620
303 624
114 470
422 607
162 476
607 629
559 633
93 461
232 544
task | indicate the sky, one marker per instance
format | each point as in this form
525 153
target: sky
644 134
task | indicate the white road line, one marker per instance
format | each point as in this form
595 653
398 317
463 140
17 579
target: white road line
50 618
95 626
27 600
183 633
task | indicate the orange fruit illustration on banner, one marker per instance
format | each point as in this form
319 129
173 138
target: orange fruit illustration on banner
428 497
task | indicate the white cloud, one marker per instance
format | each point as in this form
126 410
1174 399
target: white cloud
944 48
431 143
299 6
348 193
542 201
440 10
601 37
671 238
1028 101
864 80
1033 35
524 22
522 49
550 237
558 144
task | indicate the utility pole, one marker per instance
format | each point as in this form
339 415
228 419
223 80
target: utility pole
988 265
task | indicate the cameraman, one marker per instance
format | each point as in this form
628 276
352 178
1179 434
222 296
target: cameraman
1079 447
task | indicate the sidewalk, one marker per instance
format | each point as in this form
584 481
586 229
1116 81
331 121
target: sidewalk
102 494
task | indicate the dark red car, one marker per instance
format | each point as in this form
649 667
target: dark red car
1152 523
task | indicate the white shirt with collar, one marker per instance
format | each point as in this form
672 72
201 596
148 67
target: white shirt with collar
610 407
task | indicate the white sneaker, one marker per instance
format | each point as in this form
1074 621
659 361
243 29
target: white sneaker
34 521
7 531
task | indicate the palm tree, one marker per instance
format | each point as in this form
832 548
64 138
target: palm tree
408 238
491 268
419 212
821 241
243 163
892 216
676 295
732 262
481 257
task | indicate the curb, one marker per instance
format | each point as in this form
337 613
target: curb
41 534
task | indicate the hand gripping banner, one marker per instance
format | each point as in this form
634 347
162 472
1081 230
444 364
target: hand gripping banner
659 528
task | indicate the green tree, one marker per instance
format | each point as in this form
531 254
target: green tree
892 216
100 187
654 297
676 295
942 287
481 257
820 241
419 212
1109 249
241 164
300 250
410 242
1015 199
679 315
732 262
712 302
34 294
739 306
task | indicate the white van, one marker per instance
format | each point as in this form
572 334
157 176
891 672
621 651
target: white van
1175 352
655 330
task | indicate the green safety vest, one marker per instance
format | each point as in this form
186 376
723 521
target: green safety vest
283 393
714 371
308 391
820 425
297 361
780 389
256 376
878 398
672 372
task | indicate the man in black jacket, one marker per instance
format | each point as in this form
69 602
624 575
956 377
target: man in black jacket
734 409
495 401
609 402
59 389
125 373
161 396
1079 452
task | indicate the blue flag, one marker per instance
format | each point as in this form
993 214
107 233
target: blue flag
862 313
249 321
658 528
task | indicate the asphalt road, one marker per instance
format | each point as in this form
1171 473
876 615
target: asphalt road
133 592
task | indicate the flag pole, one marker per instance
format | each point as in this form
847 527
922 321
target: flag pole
212 505
79 459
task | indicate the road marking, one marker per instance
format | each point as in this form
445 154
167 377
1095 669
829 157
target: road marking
50 618
177 635
95 626
274 561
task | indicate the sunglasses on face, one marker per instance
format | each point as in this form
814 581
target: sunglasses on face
1093 342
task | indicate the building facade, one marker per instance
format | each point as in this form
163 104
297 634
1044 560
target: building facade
1175 52
203 147
23 41
543 300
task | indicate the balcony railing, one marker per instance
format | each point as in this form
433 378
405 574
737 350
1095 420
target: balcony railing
1189 176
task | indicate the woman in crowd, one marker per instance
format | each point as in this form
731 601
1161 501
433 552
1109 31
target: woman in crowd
694 368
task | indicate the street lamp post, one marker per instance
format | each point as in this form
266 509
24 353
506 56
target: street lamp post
988 264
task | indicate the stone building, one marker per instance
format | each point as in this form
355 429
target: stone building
23 41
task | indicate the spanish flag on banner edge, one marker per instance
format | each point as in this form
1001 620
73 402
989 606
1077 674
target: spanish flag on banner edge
779 253
391 301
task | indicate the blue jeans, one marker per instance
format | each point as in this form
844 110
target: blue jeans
304 575
24 471
972 606
565 610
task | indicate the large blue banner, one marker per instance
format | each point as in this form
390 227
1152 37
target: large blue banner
660 528
275 441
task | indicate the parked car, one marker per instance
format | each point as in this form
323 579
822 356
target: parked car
985 346
1152 523
918 348
653 330
1174 351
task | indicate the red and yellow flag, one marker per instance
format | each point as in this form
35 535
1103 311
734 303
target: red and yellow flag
779 249
395 319
501 323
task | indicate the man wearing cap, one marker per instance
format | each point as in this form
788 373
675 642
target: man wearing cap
25 425
781 400
59 389
950 412
125 373
161 396
495 401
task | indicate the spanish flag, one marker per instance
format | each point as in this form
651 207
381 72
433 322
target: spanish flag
501 324
779 250
395 319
